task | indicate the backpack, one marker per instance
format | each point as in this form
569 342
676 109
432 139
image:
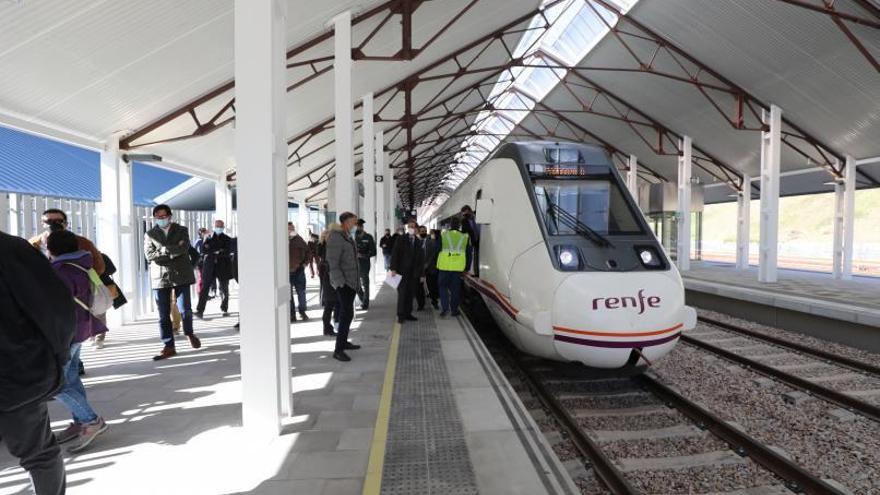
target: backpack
101 299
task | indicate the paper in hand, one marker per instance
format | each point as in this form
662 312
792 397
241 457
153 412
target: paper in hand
393 280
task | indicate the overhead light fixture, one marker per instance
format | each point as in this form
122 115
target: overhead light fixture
134 157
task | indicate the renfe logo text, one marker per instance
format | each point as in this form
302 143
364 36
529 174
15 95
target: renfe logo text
640 302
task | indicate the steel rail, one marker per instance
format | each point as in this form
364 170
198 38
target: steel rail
797 478
604 467
848 402
801 348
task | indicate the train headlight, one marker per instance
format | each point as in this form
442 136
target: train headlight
569 258
649 257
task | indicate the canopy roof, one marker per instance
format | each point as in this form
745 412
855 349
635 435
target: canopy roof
634 78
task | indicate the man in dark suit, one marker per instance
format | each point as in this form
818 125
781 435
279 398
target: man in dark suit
216 265
408 261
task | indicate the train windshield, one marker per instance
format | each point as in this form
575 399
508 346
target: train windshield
596 203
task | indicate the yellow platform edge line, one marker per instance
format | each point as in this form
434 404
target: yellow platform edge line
373 479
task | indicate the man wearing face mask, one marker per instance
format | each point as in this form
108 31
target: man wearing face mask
216 265
366 249
298 258
343 265
408 261
54 220
166 247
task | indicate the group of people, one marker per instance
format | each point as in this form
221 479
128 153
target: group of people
430 264
56 289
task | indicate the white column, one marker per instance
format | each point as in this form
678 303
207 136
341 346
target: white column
14 209
369 172
302 220
342 127
771 142
392 196
261 151
743 226
379 187
116 226
5 213
849 216
632 177
837 229
222 201
684 205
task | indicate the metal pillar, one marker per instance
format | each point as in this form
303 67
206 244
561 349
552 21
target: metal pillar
369 173
379 187
260 44
849 216
685 163
771 141
632 177
342 127
743 225
116 226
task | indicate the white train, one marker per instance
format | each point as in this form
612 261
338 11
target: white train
567 264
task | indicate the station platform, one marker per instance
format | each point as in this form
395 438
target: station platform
421 408
846 311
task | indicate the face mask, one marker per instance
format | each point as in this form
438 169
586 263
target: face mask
162 222
55 225
411 231
353 231
423 235
219 230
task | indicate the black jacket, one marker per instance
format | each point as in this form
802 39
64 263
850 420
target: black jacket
408 256
366 245
217 254
37 325
386 243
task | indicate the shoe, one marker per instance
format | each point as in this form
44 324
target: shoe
225 314
348 346
82 369
194 341
237 327
69 433
303 315
292 318
341 356
411 318
166 353
444 314
365 307
199 315
330 333
88 433
456 313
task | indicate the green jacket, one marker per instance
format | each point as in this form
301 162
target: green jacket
169 259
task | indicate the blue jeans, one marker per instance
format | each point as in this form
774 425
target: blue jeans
449 284
73 394
298 285
387 261
184 305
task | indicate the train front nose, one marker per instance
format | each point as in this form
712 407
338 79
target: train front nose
616 320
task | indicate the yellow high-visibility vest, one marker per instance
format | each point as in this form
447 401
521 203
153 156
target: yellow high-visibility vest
452 257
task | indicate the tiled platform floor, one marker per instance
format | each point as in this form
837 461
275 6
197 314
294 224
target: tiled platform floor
808 292
175 425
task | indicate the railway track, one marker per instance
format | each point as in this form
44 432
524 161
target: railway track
817 367
641 436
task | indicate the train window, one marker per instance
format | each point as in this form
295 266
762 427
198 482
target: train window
598 204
